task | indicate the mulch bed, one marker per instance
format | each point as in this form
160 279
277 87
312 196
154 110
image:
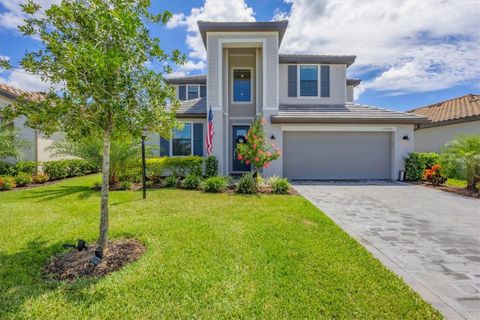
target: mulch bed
76 264
461 191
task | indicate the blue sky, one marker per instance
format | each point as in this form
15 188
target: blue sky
409 53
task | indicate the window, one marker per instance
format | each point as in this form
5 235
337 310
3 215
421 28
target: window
308 81
242 85
182 141
182 95
192 92
203 91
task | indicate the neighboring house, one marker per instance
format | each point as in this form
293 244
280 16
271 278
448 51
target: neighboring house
449 119
38 150
306 100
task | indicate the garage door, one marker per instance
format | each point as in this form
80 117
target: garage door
337 155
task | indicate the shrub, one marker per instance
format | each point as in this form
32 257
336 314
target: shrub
155 168
211 166
279 185
434 175
7 183
6 168
461 159
247 184
183 166
23 178
215 184
417 162
171 181
29 167
40 178
59 169
124 185
192 181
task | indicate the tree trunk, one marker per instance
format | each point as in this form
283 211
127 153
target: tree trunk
102 241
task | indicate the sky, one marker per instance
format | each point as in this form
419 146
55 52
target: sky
409 53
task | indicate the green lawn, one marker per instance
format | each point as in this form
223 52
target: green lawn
457 183
208 256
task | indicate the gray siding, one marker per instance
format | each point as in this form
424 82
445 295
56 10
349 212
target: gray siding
337 87
432 139
350 93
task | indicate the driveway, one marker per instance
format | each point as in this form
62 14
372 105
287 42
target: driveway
430 238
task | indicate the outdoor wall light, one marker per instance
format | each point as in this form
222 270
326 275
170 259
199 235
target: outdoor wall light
272 137
406 138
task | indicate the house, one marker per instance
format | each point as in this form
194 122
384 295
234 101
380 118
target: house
449 119
305 99
39 144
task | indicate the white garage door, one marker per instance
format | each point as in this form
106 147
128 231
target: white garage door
337 155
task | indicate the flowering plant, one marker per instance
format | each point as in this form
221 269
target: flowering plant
434 175
256 150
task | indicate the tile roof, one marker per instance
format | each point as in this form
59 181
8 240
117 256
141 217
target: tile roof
460 108
196 108
347 113
13 93
198 79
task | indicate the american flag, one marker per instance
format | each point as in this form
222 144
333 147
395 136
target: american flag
209 139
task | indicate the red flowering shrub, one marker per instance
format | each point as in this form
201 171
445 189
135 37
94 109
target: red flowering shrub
256 150
434 175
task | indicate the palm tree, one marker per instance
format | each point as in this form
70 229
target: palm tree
11 144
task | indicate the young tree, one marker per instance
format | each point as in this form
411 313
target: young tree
256 150
11 144
96 54
461 159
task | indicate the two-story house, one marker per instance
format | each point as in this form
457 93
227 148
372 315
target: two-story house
305 99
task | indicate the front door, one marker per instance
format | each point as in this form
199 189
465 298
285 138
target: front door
239 134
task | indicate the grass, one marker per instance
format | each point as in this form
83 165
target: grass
456 183
208 256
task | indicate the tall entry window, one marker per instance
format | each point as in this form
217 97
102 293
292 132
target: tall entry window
308 81
242 85
182 141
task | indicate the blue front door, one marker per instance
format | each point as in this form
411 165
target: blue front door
239 133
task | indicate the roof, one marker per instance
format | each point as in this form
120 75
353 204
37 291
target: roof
353 82
460 109
209 26
346 113
317 58
198 79
196 108
13 93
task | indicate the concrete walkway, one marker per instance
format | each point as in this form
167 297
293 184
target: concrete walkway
430 238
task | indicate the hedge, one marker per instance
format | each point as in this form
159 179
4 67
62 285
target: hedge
7 168
178 166
417 162
59 169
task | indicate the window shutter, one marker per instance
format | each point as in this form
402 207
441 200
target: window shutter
182 93
164 147
292 81
198 139
325 81
203 91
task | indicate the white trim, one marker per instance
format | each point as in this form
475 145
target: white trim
338 128
242 118
236 33
270 109
256 80
264 73
241 55
232 70
220 67
277 103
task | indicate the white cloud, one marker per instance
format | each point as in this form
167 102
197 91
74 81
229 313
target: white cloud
25 81
212 10
415 45
13 16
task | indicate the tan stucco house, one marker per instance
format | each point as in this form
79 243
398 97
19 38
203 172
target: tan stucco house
448 120
306 100
39 144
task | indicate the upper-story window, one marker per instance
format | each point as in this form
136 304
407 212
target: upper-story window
192 92
308 81
203 91
242 85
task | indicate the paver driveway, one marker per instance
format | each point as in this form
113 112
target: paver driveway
429 237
